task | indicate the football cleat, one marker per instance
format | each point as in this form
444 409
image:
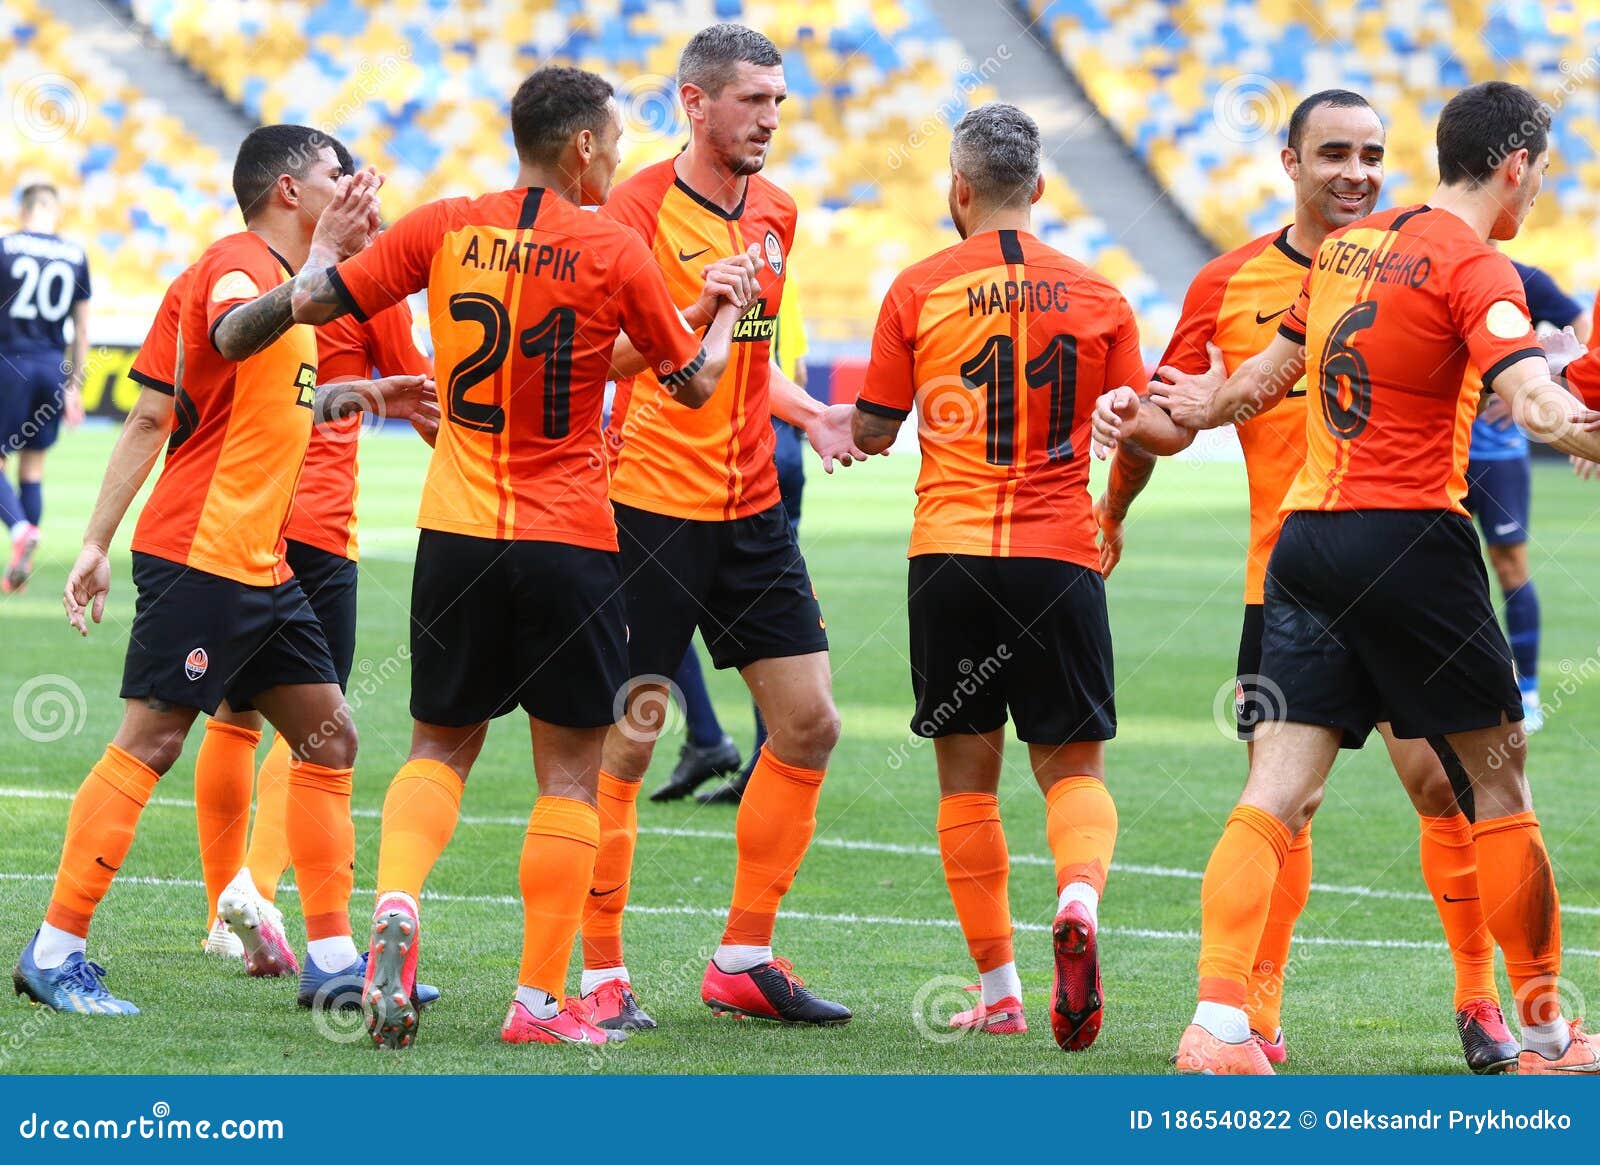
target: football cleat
342 988
23 544
387 993
258 925
1076 1001
696 766
1582 1057
1485 1039
222 942
613 1007
1201 1054
1276 1051
570 1025
768 991
1001 1018
75 986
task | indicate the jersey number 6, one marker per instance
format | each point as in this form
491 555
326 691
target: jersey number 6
1344 370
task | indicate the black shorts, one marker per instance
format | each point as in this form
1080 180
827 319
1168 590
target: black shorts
1383 615
743 582
497 624
1248 692
1028 634
198 639
329 581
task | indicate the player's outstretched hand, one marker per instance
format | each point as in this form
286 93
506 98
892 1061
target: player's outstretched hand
73 406
1187 397
351 216
404 398
1110 537
88 583
732 279
427 427
829 434
1584 469
1560 349
1112 413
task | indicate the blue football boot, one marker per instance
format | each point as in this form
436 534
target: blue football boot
73 987
342 989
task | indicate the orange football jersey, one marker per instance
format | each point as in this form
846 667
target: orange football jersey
1236 302
1002 345
1583 374
155 365
240 431
1394 310
324 513
715 462
526 294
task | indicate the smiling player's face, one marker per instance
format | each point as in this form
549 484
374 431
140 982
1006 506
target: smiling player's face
1340 167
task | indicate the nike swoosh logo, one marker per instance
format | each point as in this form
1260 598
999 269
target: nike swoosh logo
1505 529
1447 898
1261 319
604 893
101 862
685 258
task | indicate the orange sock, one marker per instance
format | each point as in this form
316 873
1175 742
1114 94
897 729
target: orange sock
268 855
1235 896
613 872
1264 1000
99 831
1450 868
776 819
322 845
420 811
557 871
1081 824
1524 915
224 770
977 868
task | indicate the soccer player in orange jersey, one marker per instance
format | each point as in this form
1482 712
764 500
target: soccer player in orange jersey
706 541
1377 603
1002 345
1334 157
219 615
517 598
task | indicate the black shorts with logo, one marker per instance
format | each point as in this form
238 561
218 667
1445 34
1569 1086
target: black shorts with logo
1248 692
743 582
497 624
329 582
198 639
1026 634
1384 615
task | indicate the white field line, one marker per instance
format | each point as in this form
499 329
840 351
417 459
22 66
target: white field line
839 843
841 919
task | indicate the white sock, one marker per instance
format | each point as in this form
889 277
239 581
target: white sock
1000 983
1084 893
1229 1024
332 954
53 946
540 1003
736 958
1550 1040
399 898
593 979
16 532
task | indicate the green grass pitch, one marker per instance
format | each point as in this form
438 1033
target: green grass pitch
869 921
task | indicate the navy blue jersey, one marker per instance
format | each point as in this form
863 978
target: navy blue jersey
41 277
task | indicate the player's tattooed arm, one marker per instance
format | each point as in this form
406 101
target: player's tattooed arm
874 432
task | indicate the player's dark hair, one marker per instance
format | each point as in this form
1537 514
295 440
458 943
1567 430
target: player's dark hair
552 105
1483 125
273 150
36 192
996 148
1335 98
713 55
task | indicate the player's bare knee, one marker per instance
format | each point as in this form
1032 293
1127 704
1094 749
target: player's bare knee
810 734
158 751
332 745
